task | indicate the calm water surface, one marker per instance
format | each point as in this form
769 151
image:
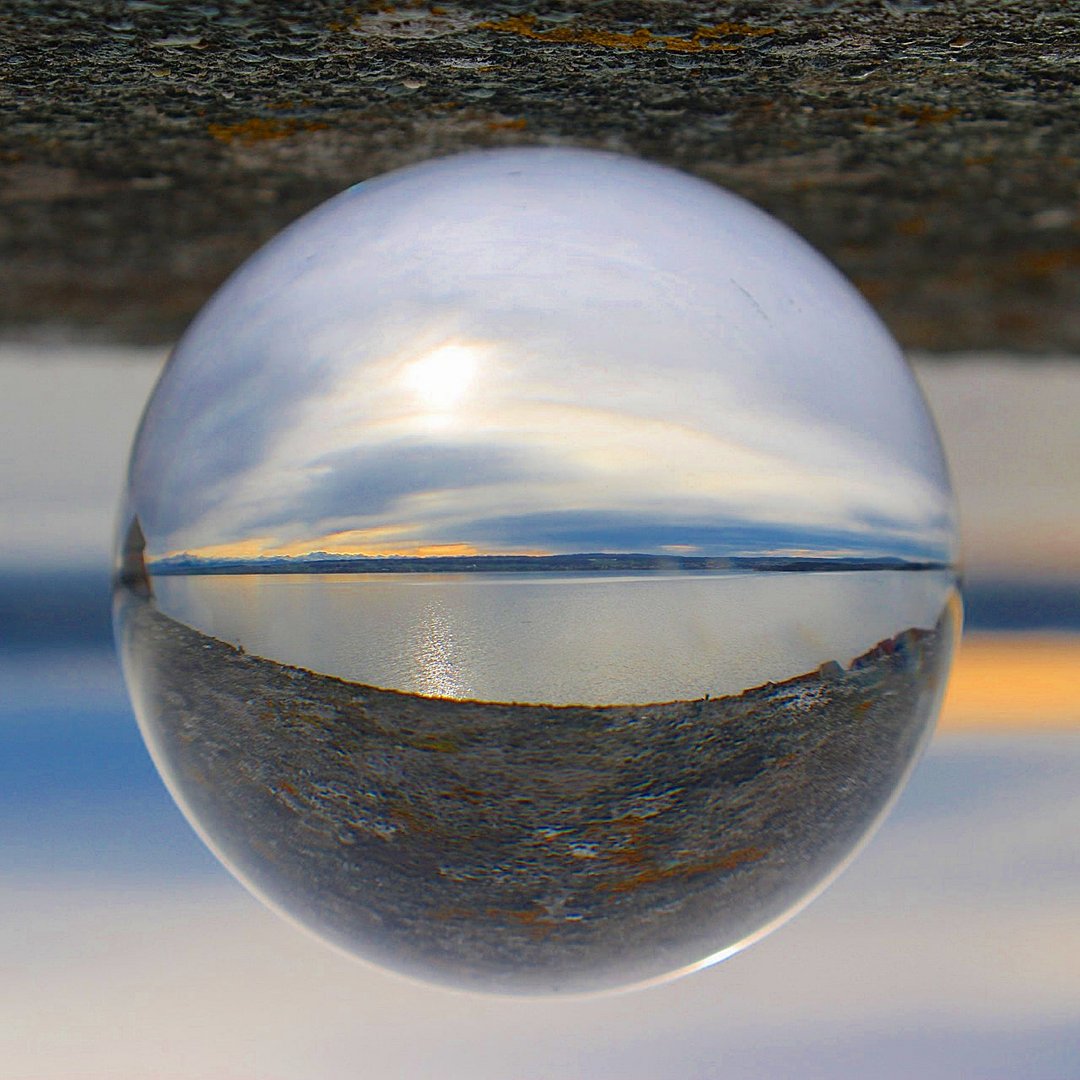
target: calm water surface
559 638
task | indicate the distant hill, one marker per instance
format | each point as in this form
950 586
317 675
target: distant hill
321 562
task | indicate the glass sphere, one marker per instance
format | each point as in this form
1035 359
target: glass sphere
536 572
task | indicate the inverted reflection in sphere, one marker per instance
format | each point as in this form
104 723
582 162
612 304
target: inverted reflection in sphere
536 572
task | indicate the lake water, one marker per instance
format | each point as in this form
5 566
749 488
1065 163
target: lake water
559 638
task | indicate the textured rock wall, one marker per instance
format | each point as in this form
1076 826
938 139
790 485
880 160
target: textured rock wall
931 149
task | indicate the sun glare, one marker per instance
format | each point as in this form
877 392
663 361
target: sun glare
442 377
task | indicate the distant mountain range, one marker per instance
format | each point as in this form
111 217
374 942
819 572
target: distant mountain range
323 562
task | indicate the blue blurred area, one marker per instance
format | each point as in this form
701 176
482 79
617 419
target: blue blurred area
56 609
1044 1053
1022 605
78 791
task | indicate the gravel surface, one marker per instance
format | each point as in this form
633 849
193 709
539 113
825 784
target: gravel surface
932 149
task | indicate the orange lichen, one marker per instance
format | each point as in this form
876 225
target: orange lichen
536 920
653 875
406 819
914 226
703 39
259 129
1014 322
1041 264
927 115
697 42
633 850
877 292
468 795
520 124
450 913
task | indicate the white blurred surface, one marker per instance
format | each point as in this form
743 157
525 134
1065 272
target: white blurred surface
1011 430
67 419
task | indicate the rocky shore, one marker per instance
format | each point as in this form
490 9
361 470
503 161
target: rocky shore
527 847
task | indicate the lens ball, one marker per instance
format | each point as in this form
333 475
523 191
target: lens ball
537 572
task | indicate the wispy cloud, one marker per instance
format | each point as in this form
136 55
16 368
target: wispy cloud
458 369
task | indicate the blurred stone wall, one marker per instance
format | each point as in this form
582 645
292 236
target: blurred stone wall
931 149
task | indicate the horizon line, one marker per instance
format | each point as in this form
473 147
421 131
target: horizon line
185 562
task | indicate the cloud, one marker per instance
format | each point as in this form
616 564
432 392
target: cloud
586 531
207 428
511 339
344 489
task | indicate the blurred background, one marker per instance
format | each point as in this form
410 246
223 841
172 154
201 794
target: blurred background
931 150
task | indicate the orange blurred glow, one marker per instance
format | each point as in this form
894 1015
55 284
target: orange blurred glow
1014 681
253 548
382 542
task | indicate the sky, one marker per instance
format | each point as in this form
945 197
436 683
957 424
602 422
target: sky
527 353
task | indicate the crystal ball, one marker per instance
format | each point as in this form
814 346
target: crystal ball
536 572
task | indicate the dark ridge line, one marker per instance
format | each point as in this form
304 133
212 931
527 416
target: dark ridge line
317 563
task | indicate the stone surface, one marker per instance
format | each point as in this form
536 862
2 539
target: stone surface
931 149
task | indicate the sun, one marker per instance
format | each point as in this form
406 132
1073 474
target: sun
443 377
